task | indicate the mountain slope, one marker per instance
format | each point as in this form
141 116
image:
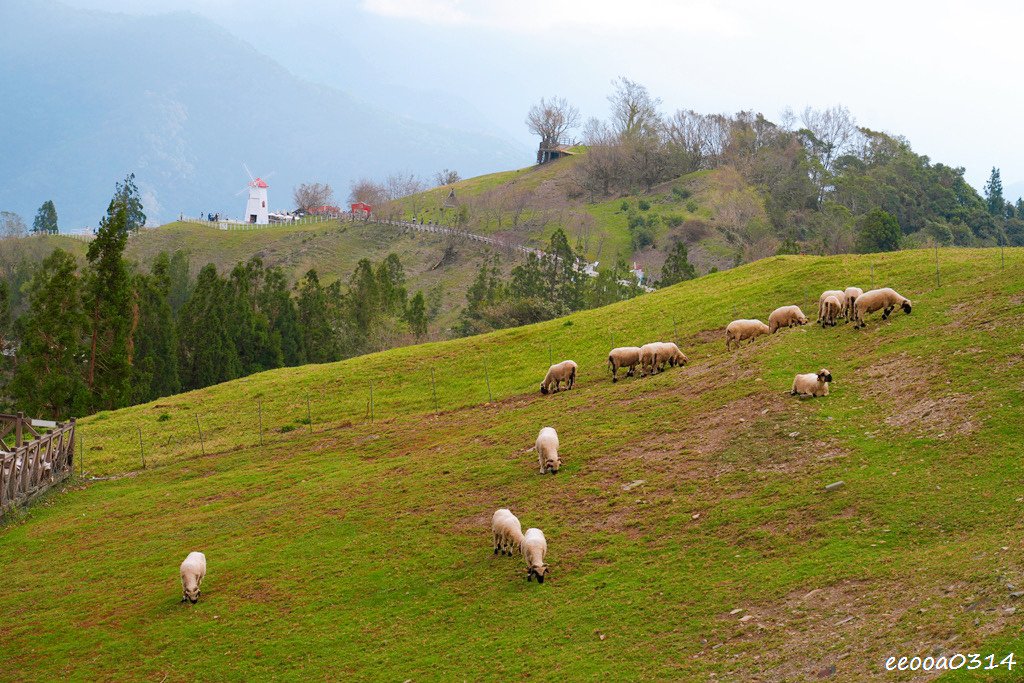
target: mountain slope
363 550
182 103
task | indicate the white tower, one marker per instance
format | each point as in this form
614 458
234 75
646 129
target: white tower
256 207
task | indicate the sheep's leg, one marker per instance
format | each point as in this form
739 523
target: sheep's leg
887 312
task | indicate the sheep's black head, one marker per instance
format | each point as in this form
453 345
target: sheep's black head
552 466
539 572
906 307
824 375
543 388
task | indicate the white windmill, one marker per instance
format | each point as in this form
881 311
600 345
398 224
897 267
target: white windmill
256 206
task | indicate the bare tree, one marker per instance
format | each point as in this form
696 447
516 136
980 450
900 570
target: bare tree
446 177
367 191
552 119
634 110
829 133
12 225
311 195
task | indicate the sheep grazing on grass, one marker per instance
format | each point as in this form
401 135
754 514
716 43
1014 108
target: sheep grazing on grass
547 451
851 299
508 532
878 299
669 353
648 358
831 309
535 548
656 355
785 316
623 357
738 330
838 294
812 384
558 373
193 569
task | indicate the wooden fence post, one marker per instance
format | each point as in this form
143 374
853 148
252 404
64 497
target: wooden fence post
81 456
17 429
938 282
142 451
309 417
487 378
371 402
433 387
259 407
202 444
551 360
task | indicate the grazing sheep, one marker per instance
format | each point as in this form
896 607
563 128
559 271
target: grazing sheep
193 569
547 451
851 299
558 373
535 548
648 358
738 330
623 357
508 532
812 384
838 294
669 353
831 309
877 299
785 316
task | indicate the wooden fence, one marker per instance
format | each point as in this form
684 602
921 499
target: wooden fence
28 468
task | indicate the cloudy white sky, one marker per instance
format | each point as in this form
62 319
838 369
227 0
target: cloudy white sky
944 74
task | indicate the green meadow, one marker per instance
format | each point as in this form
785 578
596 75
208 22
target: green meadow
689 531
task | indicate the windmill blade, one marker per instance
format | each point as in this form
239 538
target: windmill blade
242 191
248 172
269 175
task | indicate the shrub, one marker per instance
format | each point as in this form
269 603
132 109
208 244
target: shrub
644 205
287 428
673 220
694 231
681 192
691 206
164 417
624 206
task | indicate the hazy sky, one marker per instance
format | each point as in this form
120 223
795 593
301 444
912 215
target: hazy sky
941 73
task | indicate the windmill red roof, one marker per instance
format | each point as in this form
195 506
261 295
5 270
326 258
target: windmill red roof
260 182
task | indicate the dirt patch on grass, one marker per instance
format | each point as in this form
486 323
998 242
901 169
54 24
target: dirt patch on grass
845 631
904 384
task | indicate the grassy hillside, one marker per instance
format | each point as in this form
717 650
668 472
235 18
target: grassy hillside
715 212
689 531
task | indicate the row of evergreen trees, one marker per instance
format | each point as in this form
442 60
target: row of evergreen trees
110 335
545 287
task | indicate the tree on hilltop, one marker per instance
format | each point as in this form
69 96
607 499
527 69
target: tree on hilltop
311 195
45 222
552 119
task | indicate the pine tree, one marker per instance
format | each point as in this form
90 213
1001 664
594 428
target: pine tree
318 338
45 222
48 378
155 365
677 266
206 352
179 282
994 193
416 315
277 304
108 301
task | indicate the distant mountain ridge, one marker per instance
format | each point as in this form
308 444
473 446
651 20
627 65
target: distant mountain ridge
91 96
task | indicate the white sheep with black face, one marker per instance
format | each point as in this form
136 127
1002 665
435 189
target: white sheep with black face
785 316
840 296
623 357
831 309
507 531
812 383
547 451
851 300
738 330
535 549
558 373
193 570
885 300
